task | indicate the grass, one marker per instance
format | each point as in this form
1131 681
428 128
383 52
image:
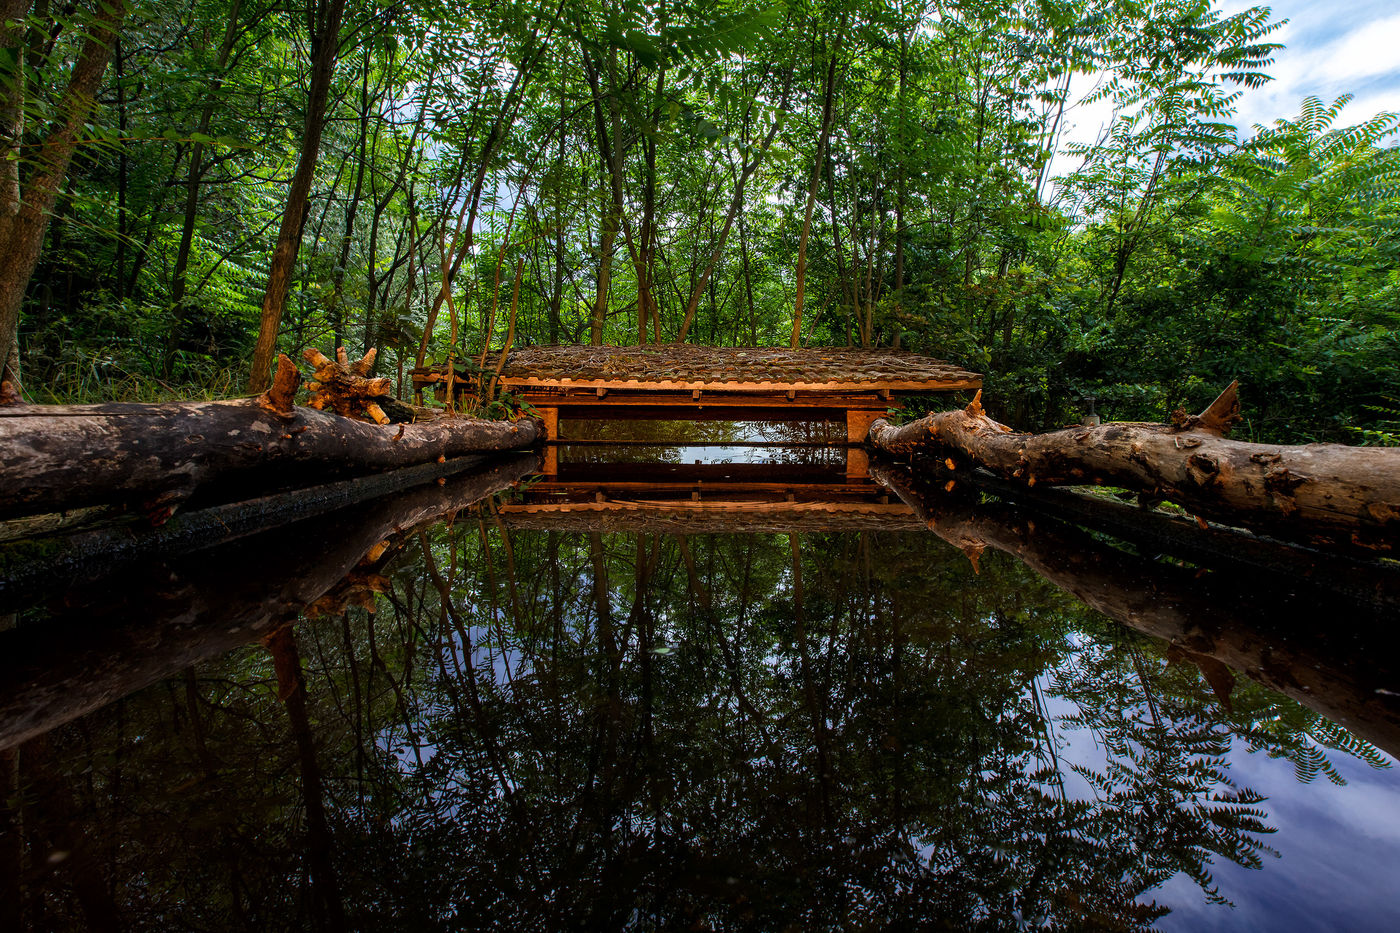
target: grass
86 382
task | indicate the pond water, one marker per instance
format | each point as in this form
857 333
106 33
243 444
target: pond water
610 699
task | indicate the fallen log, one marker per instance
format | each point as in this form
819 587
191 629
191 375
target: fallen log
1319 493
60 457
1217 618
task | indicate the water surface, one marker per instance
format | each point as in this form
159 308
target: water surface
703 704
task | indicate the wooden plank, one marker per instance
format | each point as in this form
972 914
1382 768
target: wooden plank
857 427
707 413
608 474
652 413
689 517
823 491
692 505
550 417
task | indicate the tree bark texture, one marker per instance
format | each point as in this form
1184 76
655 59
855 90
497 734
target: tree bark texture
1321 493
325 45
25 207
62 457
813 184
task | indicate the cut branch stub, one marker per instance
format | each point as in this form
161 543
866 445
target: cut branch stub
281 397
345 388
1218 418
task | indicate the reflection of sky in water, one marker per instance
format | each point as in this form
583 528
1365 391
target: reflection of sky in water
703 442
1338 845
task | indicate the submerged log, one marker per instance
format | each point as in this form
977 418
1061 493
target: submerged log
1321 493
1217 618
59 457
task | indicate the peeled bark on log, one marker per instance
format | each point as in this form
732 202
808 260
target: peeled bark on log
1214 617
1321 493
129 629
63 457
346 388
1269 562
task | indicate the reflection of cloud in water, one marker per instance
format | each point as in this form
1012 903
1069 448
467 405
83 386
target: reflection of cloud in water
1330 838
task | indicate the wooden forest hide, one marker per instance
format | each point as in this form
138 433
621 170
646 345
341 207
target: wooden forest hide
127 629
1320 493
60 457
1222 620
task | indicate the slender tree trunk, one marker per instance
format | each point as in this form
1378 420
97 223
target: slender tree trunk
734 204
608 128
646 259
901 193
24 213
812 186
123 167
347 236
325 45
611 218
291 688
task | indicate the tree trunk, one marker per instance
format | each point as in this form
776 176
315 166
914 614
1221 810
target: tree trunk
192 184
325 45
1324 493
281 644
66 456
813 184
347 236
25 210
749 167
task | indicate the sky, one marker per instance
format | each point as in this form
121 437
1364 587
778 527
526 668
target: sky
1332 47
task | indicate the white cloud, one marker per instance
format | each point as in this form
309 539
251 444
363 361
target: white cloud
1331 49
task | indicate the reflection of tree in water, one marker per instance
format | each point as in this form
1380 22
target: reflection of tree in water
555 730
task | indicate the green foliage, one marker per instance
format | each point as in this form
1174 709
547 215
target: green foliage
603 145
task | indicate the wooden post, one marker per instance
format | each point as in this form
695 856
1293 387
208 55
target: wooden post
551 437
857 426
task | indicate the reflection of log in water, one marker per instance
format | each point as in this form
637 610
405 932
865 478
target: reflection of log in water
1275 636
53 564
112 641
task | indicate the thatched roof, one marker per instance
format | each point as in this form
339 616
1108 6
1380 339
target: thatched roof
685 366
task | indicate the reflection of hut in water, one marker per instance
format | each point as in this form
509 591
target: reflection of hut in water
707 499
829 385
